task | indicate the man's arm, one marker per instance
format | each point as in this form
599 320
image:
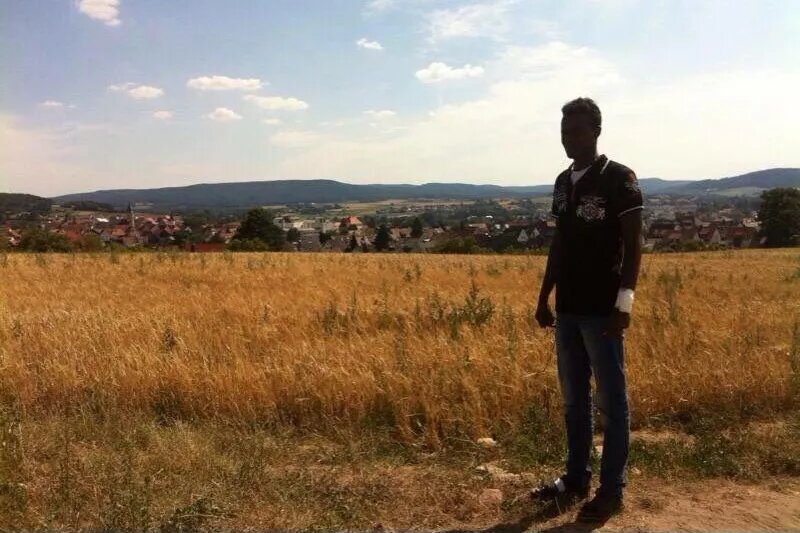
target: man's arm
544 316
631 226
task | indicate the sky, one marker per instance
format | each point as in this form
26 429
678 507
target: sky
109 94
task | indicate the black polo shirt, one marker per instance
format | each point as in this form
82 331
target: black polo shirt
588 222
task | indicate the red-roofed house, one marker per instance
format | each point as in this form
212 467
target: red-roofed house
349 222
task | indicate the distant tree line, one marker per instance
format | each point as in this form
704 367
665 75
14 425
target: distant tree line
88 205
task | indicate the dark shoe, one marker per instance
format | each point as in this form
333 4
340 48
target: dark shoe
600 508
560 489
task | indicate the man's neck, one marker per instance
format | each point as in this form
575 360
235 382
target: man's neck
582 162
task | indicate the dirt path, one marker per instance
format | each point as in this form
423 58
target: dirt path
657 505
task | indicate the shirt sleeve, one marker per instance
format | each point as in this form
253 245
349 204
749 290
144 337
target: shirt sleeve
629 195
558 198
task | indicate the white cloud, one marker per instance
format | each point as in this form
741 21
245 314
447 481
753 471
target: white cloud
145 92
488 19
510 133
293 139
163 115
373 7
380 114
380 5
369 45
438 72
223 114
224 83
272 121
550 59
121 86
106 11
51 103
138 92
276 103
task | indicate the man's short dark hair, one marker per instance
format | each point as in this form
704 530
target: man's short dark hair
583 106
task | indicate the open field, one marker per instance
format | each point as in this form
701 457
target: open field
342 391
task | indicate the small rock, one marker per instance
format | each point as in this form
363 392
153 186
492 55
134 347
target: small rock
496 472
487 442
599 450
635 471
491 497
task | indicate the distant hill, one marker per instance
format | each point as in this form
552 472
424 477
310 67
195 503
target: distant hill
761 179
17 203
658 185
246 194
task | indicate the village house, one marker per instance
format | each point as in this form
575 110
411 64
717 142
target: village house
286 223
399 234
687 221
351 223
10 235
308 242
709 233
326 226
542 233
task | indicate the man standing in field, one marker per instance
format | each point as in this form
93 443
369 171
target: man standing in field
593 264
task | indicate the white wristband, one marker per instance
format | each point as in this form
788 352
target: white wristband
624 300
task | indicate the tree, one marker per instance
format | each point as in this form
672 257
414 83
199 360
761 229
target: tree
195 221
381 241
257 225
324 237
216 238
780 216
353 244
91 242
293 235
416 228
39 240
369 221
458 245
248 245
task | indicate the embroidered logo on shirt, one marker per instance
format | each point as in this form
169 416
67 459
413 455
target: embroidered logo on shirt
632 186
590 209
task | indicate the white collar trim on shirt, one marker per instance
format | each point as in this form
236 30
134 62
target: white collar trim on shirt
583 171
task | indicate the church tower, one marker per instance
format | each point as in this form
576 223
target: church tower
132 224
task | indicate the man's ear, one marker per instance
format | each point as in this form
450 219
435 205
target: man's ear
598 131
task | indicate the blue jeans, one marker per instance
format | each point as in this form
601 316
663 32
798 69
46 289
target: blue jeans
582 349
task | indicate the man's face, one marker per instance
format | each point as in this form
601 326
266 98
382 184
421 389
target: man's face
578 136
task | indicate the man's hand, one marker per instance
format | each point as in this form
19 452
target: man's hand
544 316
618 321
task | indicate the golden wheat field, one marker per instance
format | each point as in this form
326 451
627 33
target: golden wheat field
137 386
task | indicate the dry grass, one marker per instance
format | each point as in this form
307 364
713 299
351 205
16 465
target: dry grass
179 360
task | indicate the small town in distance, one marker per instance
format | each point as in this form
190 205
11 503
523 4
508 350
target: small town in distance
682 221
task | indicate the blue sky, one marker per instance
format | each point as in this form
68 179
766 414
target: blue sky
100 94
